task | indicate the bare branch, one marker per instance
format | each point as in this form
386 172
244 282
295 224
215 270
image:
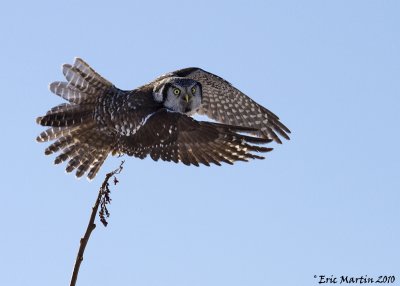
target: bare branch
103 199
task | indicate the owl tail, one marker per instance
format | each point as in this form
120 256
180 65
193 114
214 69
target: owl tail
73 125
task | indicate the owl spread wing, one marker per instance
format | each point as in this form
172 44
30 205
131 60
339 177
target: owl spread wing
225 103
79 139
172 136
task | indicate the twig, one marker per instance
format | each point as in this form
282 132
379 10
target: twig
103 199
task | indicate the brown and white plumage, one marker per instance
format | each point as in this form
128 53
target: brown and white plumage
154 120
225 103
172 137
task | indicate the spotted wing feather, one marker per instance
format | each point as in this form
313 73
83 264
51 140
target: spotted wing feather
176 137
79 140
225 103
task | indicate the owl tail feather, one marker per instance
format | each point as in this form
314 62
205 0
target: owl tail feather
72 124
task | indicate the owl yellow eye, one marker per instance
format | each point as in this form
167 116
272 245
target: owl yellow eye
193 90
177 91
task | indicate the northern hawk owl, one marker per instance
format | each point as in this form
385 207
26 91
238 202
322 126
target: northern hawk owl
155 119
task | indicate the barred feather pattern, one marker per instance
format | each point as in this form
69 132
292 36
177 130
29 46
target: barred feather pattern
175 137
73 126
225 103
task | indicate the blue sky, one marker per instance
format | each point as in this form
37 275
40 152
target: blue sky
324 203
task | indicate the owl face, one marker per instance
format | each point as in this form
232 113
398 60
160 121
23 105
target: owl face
179 94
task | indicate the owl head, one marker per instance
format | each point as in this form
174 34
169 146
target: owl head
178 94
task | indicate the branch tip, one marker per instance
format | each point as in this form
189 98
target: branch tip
103 199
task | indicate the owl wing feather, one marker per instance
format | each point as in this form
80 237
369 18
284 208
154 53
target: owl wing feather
173 136
225 103
79 140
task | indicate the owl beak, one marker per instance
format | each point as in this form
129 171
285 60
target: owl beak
187 97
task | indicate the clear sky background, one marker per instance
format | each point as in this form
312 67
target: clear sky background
324 203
